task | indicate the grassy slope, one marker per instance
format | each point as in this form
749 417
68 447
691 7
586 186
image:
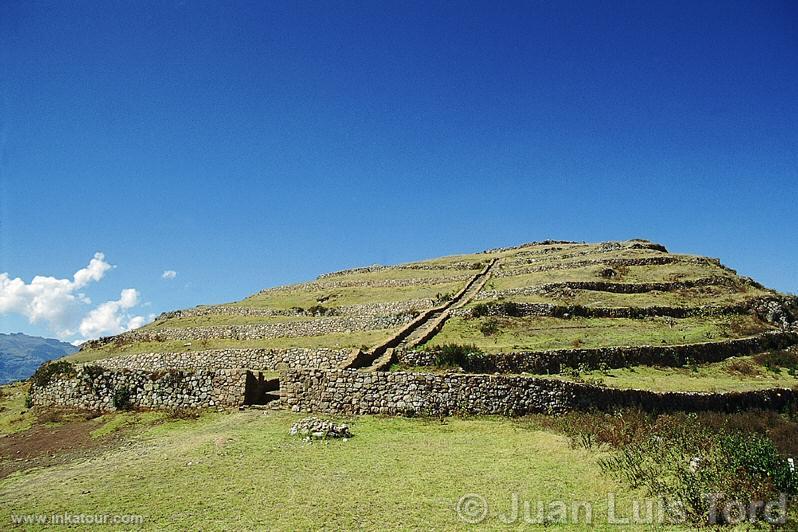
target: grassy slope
535 333
243 470
678 271
733 375
693 297
355 295
14 416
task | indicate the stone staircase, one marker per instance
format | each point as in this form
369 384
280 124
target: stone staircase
418 331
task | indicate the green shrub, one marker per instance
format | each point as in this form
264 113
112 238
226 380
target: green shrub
778 359
320 310
443 298
468 357
93 371
684 458
504 308
44 375
28 401
489 327
122 399
511 308
480 310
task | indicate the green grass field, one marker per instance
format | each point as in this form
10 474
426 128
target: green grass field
336 297
537 333
736 374
678 271
14 415
243 471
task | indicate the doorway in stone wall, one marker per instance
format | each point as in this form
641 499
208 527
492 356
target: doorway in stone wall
259 390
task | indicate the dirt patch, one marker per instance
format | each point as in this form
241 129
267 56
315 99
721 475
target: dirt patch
47 444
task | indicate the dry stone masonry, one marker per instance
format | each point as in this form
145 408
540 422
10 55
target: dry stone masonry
286 329
352 381
94 388
402 393
777 311
215 359
609 286
553 361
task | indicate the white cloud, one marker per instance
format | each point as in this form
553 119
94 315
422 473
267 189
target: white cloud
137 321
50 300
169 274
112 317
93 272
60 305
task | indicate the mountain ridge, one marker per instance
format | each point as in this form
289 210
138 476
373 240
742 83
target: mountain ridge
21 354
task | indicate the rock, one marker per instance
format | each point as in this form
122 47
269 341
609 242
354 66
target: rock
320 428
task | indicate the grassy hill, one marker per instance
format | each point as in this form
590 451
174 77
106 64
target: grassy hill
538 297
570 301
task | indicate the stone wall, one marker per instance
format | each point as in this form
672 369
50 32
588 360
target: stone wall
518 268
255 331
214 359
571 311
327 284
399 393
610 286
94 389
780 311
552 361
582 248
459 265
387 308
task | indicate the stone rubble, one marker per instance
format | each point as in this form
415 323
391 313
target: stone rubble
314 427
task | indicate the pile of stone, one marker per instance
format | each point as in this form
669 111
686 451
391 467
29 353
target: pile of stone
782 312
313 427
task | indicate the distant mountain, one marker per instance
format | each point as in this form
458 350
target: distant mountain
21 354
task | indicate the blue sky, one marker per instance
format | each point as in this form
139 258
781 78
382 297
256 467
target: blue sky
250 144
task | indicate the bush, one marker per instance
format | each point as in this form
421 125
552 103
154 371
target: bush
468 357
743 367
28 401
688 463
480 310
489 327
320 310
443 298
122 399
685 457
778 359
44 375
505 308
511 308
93 371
